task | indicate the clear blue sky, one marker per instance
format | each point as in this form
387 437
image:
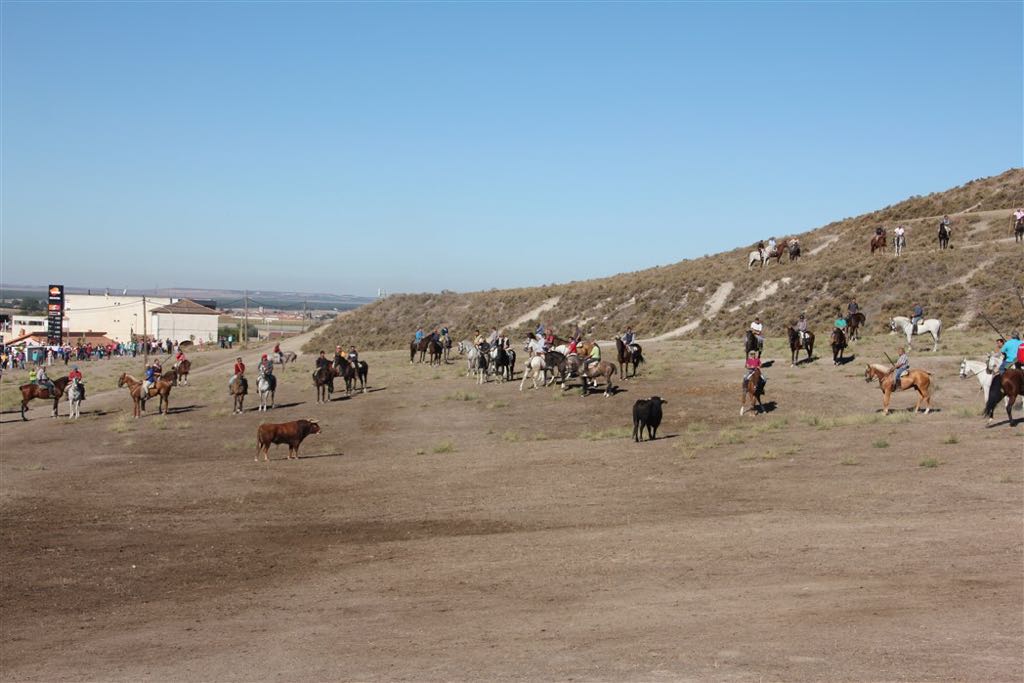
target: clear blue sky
420 146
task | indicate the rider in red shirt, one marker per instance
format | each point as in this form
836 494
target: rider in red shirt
74 374
239 366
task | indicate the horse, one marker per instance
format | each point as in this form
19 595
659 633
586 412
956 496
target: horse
323 380
284 358
482 368
534 368
853 324
899 244
1011 385
796 345
181 371
628 355
983 370
266 385
564 364
33 390
752 391
446 345
238 388
601 371
161 388
794 250
930 325
943 236
752 343
76 391
418 347
755 257
1018 231
503 359
435 350
471 352
775 253
838 345
362 369
914 378
878 242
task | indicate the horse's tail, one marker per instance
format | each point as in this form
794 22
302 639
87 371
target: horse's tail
995 394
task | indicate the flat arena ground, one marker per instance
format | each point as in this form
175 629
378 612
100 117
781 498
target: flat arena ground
440 530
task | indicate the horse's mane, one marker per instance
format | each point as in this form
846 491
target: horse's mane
878 367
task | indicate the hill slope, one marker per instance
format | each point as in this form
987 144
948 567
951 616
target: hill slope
717 295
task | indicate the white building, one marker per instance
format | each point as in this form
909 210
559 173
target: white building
185 320
119 317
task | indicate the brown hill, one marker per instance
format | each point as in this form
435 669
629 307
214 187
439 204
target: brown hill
717 295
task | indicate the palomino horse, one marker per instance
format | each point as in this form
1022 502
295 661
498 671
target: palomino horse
899 243
853 324
878 242
535 367
1011 385
931 325
161 388
753 390
76 391
266 385
752 343
323 380
632 354
181 372
238 389
601 371
33 390
838 345
943 236
918 379
796 345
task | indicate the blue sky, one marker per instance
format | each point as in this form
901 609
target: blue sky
422 146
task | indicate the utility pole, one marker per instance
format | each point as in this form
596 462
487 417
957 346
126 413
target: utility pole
145 342
245 324
304 303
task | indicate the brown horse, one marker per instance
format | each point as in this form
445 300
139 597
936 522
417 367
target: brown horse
238 388
1011 385
917 379
33 390
418 347
181 372
878 242
753 390
436 350
838 345
161 388
776 253
796 346
853 324
631 354
323 380
601 371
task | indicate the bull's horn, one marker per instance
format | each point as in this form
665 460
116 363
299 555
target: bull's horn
313 421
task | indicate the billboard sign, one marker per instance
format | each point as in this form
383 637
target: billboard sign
55 315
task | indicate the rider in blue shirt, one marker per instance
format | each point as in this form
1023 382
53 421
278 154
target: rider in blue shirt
1010 350
419 335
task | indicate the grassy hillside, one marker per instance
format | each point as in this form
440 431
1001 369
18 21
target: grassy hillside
960 286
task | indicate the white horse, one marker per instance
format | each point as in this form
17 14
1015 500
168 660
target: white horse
471 353
535 367
266 385
755 257
899 243
931 325
75 391
984 372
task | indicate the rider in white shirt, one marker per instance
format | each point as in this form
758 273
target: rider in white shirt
758 329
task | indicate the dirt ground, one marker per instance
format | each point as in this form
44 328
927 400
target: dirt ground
441 530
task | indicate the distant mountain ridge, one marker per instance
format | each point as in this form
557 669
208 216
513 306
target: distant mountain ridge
717 295
224 297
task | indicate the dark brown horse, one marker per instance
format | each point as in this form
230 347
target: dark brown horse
838 345
753 390
419 347
323 380
631 354
161 388
777 252
33 390
943 236
182 372
1018 229
878 242
796 346
435 350
1009 384
853 324
238 389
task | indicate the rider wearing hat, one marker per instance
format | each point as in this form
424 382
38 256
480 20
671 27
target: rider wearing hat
266 366
801 328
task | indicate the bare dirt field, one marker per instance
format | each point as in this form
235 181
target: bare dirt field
440 530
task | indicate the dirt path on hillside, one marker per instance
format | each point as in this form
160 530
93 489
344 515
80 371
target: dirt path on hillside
712 307
532 314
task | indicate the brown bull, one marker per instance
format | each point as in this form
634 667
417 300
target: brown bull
291 433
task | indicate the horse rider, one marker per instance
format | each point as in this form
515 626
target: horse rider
266 366
840 322
900 368
752 363
853 307
419 334
446 341
594 357
900 234
549 337
539 332
339 357
571 351
801 328
278 353
152 375
760 249
44 381
946 224
179 358
1018 218
238 370
577 333
1010 351
757 328
771 246
628 336
536 345
75 374
477 338
322 363
492 338
916 316
879 231
353 356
